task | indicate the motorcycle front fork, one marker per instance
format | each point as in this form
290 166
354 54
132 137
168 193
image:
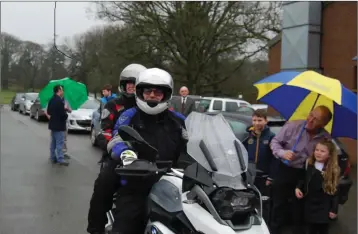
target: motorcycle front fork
110 218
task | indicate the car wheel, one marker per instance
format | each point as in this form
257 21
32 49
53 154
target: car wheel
93 137
12 107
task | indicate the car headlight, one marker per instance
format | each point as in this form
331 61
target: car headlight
229 202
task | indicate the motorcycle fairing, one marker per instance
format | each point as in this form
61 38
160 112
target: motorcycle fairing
214 146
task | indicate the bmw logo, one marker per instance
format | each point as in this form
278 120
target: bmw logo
155 230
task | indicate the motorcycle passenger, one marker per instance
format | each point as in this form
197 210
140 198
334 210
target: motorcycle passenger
163 129
106 182
113 109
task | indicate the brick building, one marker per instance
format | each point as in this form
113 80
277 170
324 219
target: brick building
327 43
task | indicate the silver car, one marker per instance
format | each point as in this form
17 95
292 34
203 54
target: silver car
96 125
26 102
80 119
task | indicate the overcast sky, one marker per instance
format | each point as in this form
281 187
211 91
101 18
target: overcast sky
33 21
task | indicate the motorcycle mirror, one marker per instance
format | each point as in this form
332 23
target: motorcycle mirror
127 133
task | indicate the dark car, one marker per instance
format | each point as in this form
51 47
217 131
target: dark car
15 101
239 124
37 112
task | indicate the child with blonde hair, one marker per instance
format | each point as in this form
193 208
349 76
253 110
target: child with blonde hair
319 188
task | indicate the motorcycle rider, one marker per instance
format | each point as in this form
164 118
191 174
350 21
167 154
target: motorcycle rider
105 184
162 128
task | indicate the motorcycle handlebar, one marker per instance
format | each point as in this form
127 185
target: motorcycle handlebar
143 168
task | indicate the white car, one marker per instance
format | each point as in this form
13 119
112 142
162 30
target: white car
80 119
26 102
216 104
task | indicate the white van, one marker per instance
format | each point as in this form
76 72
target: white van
216 104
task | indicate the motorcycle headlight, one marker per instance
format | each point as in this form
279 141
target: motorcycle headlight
229 202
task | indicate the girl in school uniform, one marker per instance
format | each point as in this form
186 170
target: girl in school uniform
319 187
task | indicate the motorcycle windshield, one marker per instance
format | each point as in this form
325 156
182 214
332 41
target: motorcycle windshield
213 145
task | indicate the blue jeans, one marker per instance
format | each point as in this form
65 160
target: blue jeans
56 146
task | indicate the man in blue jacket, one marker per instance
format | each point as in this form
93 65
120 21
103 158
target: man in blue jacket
57 124
107 94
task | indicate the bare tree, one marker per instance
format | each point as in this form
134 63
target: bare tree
190 38
8 49
31 59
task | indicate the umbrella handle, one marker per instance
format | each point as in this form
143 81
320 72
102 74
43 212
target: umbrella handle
285 161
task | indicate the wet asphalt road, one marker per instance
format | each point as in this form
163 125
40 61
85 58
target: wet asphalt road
39 198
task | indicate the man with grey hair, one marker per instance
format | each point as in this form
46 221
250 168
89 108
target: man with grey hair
292 146
184 105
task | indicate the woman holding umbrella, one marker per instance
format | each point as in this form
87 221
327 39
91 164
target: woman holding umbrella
315 106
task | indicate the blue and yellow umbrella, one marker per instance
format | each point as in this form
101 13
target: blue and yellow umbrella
294 94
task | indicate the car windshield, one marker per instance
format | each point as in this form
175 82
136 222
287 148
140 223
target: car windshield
245 110
203 105
19 95
239 128
90 104
31 96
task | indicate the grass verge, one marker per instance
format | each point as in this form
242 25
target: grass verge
6 96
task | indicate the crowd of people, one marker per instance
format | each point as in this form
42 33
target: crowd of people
300 161
302 182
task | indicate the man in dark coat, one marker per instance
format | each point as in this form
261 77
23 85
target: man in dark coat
57 124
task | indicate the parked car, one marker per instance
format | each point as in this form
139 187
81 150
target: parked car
96 125
245 110
15 101
80 119
215 104
26 102
259 106
239 124
37 112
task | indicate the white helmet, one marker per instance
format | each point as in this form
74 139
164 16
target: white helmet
156 78
129 74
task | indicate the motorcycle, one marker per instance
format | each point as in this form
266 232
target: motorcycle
214 195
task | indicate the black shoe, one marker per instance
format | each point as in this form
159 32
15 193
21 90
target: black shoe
63 163
53 161
66 156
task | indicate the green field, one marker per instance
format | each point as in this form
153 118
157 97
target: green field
6 96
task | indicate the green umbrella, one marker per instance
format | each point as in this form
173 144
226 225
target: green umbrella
75 92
